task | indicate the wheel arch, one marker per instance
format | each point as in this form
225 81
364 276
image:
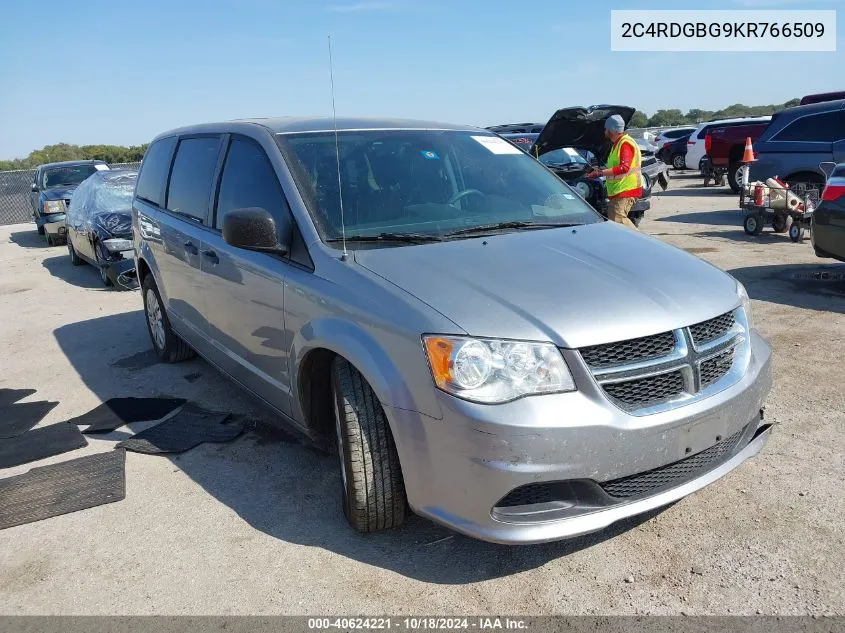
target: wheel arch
312 354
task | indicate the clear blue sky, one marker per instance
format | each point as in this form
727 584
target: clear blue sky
121 72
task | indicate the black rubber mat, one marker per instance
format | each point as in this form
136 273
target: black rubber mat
116 412
185 430
10 396
69 486
40 443
16 419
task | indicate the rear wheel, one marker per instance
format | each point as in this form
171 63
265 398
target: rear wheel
75 259
678 162
104 276
797 232
373 489
735 177
780 224
167 344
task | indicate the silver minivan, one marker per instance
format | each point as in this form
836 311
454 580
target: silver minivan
486 349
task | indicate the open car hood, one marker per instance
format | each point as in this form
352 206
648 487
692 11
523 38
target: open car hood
581 128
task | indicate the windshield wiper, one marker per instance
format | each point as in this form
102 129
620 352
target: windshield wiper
391 237
514 224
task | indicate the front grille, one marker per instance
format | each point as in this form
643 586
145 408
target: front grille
648 391
710 330
714 368
630 351
674 474
529 494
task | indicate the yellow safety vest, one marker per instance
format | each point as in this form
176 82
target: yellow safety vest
624 182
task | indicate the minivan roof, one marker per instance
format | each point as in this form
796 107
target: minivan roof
292 125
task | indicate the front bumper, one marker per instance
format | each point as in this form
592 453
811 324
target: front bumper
121 272
54 224
458 469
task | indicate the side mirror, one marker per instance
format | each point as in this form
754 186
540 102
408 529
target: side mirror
827 168
33 187
255 229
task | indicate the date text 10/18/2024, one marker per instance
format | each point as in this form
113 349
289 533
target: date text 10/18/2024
418 623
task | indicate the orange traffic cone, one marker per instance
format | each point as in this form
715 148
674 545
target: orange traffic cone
748 155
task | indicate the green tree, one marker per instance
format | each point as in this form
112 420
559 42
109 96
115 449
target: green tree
640 119
666 117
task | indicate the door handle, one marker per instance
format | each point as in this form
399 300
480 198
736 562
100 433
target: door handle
193 250
211 255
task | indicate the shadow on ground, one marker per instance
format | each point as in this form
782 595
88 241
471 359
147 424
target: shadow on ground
717 218
696 189
28 239
810 286
84 276
282 487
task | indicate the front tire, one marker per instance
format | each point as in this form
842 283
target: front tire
166 343
373 489
75 259
753 224
104 276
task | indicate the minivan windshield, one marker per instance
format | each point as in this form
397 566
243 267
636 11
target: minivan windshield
426 183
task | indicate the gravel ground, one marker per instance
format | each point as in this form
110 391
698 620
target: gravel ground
255 527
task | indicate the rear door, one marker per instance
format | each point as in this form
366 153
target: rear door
244 290
178 218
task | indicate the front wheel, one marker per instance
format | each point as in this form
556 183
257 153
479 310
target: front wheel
40 230
167 344
753 224
797 232
373 490
104 276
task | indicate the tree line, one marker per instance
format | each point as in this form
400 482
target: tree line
663 118
65 151
133 154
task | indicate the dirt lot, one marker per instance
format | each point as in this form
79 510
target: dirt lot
255 526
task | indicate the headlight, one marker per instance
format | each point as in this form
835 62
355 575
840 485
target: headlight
116 245
54 206
746 301
583 189
493 371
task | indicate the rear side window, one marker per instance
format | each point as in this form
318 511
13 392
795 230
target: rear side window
191 179
249 181
154 170
826 127
704 131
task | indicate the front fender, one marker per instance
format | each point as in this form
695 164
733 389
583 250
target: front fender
400 379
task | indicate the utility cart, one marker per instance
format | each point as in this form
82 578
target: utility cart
784 207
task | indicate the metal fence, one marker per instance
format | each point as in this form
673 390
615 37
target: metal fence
15 203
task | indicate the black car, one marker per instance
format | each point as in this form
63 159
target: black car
99 225
828 224
674 152
573 141
51 192
570 166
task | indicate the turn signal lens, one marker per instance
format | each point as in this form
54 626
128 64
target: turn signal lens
494 371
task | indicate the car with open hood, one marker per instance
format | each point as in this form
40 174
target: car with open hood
99 225
51 191
478 343
573 141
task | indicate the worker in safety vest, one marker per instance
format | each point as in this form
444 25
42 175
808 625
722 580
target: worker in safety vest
623 173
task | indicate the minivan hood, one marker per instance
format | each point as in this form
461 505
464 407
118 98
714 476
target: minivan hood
58 193
572 286
581 128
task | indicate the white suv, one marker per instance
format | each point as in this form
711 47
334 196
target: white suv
695 144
